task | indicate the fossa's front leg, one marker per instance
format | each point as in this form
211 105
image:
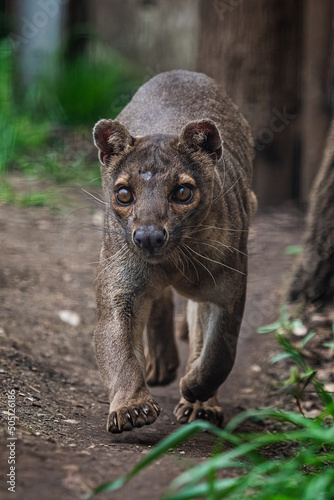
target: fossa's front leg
120 357
213 335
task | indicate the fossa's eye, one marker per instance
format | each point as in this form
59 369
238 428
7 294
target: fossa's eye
183 194
124 196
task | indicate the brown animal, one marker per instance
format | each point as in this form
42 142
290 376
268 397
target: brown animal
176 171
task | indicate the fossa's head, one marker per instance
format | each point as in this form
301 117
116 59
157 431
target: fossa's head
158 187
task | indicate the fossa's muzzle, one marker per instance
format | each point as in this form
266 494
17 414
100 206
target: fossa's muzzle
150 238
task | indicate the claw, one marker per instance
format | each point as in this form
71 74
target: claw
156 407
146 409
177 408
187 412
113 427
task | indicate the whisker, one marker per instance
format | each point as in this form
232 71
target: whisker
234 183
108 266
114 259
102 260
205 227
221 183
215 261
98 228
224 172
230 248
108 231
183 218
67 217
102 202
179 257
95 179
182 272
187 259
201 264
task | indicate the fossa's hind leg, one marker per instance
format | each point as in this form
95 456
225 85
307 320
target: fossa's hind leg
161 354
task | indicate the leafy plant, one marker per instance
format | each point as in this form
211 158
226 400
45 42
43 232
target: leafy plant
84 91
301 374
282 326
303 475
49 198
39 130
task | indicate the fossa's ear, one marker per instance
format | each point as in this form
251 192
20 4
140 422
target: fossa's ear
203 135
111 138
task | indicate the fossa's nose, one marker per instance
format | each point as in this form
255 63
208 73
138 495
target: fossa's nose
149 237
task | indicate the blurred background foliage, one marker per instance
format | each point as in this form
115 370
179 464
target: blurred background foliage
65 64
46 122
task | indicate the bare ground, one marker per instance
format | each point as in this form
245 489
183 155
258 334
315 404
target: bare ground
62 447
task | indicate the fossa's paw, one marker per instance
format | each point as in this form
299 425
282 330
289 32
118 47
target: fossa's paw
162 371
128 417
209 410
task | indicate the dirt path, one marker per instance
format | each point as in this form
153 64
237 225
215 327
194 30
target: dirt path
62 448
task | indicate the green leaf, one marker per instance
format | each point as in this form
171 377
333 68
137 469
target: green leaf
203 489
293 351
309 379
269 328
293 250
329 344
307 338
279 357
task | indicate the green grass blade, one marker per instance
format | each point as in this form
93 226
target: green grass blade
320 487
307 338
203 490
269 328
175 439
279 357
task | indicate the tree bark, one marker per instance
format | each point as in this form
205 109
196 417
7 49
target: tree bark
313 279
159 35
253 48
316 86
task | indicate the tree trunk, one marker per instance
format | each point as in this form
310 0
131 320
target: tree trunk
253 48
313 279
158 35
316 88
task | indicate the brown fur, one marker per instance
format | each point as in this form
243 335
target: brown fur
179 129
